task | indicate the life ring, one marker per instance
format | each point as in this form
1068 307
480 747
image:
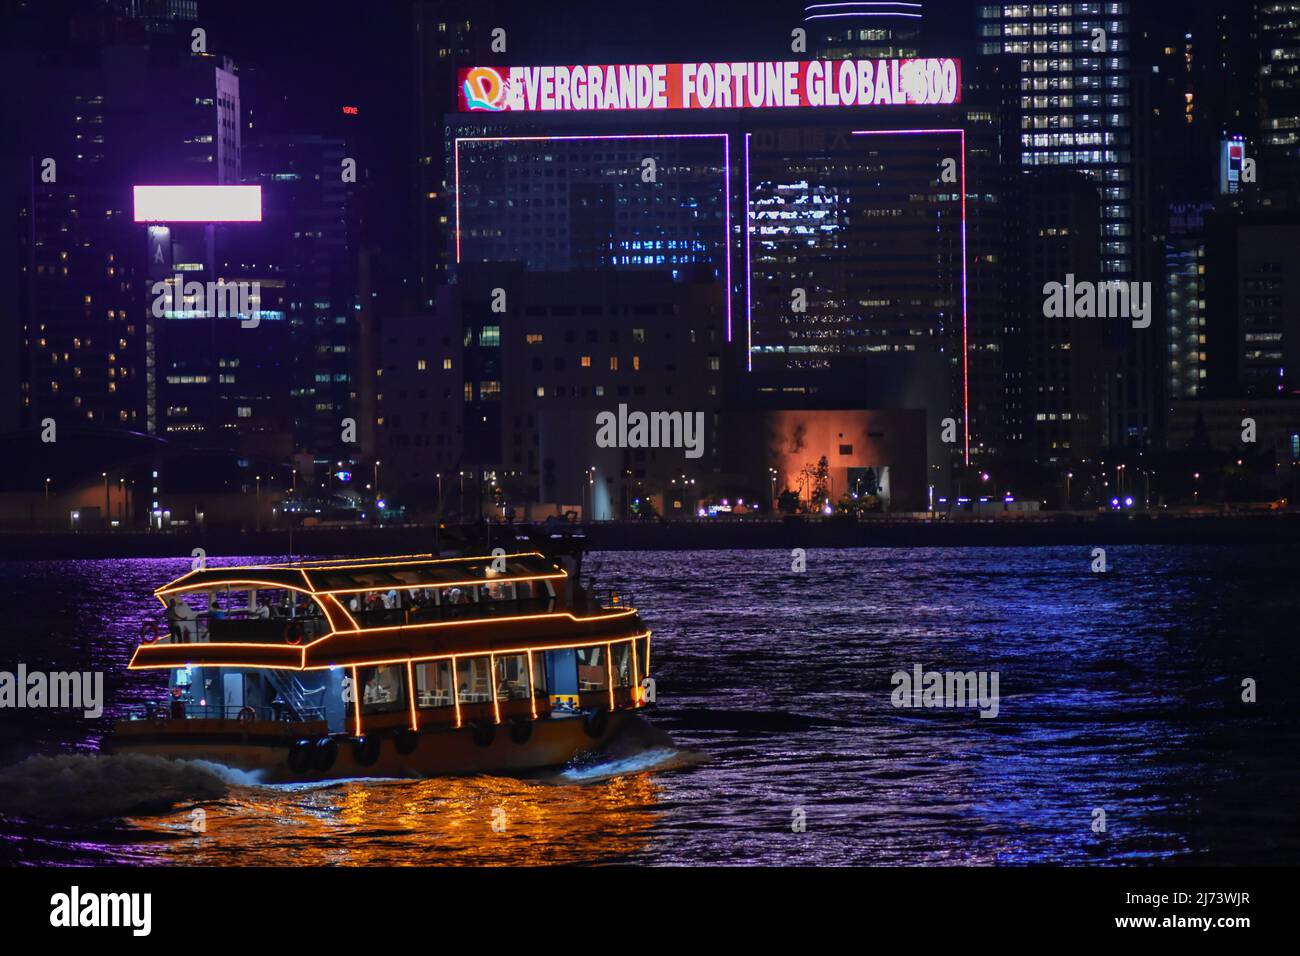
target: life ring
323 754
406 741
521 730
247 715
484 733
148 632
293 632
300 756
596 723
365 750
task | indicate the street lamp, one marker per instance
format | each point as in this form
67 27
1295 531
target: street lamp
107 509
47 489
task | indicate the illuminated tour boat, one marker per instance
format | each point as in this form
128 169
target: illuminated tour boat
389 667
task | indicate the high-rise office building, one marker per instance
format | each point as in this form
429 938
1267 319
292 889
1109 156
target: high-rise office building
98 118
1187 326
563 202
1083 107
1279 74
1076 102
862 30
307 242
445 37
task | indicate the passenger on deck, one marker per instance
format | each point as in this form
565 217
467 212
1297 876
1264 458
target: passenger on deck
181 620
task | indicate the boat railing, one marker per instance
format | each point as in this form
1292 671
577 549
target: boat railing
427 613
609 598
241 629
277 713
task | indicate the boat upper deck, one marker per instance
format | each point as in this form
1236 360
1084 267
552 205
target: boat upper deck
359 576
319 613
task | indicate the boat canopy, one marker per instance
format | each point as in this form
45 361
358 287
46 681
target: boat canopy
354 576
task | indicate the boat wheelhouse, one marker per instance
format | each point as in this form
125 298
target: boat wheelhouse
400 666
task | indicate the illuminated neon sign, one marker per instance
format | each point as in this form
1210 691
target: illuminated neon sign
703 86
198 203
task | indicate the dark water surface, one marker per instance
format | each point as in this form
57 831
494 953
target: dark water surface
1119 692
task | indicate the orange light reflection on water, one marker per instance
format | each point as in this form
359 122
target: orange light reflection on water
442 821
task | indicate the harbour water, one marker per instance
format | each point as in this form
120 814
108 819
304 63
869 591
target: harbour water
1118 692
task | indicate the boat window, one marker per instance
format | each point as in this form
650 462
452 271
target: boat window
433 684
643 656
383 688
457 595
474 679
591 668
512 677
621 658
539 673
498 591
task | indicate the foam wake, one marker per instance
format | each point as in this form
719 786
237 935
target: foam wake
80 786
639 747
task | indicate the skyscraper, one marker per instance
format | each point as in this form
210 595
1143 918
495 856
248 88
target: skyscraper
1079 106
859 30
1279 44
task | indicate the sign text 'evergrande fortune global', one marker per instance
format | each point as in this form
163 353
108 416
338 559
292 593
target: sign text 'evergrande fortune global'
704 86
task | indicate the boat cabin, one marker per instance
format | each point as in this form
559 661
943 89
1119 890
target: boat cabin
390 643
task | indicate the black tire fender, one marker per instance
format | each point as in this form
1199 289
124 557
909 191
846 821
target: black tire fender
484 733
596 723
300 756
406 741
365 750
323 754
521 730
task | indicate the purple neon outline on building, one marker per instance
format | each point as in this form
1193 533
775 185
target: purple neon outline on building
965 343
726 177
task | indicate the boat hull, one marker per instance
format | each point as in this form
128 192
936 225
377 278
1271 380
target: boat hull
553 742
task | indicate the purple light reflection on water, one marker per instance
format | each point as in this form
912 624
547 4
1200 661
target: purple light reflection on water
1120 692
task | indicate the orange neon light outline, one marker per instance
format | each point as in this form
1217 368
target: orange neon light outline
410 695
492 671
636 677
333 564
356 701
394 660
475 620
324 563
609 672
342 607
532 689
455 690
401 627
443 584
379 561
